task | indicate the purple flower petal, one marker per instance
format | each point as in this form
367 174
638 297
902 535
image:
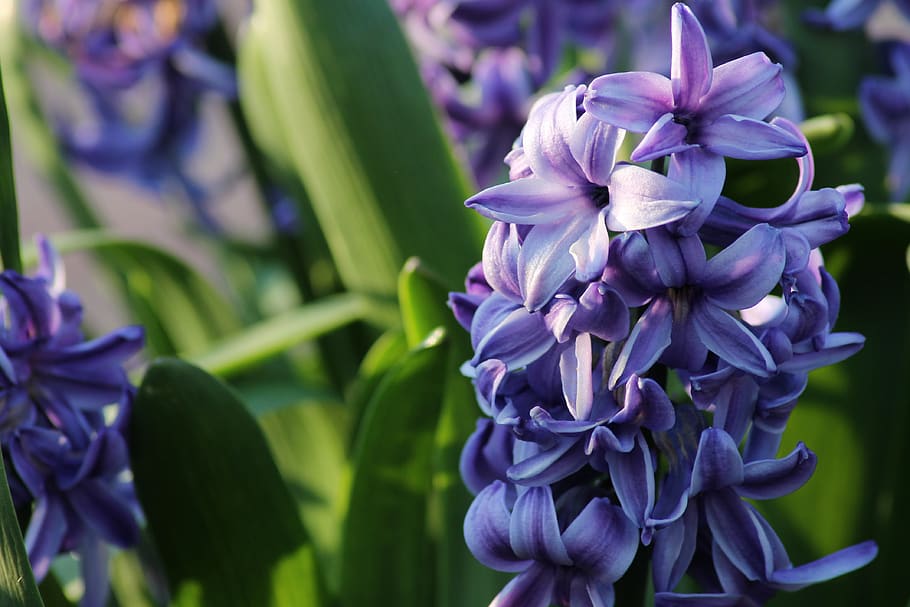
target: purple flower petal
601 541
674 547
547 134
665 137
717 463
486 455
691 65
530 201
533 588
649 338
633 480
594 146
704 173
589 593
534 530
770 479
750 86
545 264
641 199
749 139
577 380
517 339
486 530
746 271
731 340
550 465
630 100
825 568
94 560
500 259
736 532
105 512
591 248
45 533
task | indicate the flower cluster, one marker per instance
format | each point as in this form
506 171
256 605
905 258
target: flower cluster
640 339
64 403
484 60
129 53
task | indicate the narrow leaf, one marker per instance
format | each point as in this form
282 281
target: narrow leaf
387 554
9 211
275 335
363 139
17 584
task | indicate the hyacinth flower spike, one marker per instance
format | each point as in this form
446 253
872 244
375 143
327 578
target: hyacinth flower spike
575 192
701 113
689 299
574 565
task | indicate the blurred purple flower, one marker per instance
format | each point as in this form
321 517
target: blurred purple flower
62 454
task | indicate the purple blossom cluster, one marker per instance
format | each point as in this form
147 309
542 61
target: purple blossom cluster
640 339
138 65
485 60
64 403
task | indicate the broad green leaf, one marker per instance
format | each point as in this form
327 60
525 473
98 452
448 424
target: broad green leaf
275 335
855 416
385 353
363 139
9 211
828 133
387 554
17 584
223 521
308 444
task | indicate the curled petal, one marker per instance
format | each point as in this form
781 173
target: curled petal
632 475
45 533
825 568
736 532
770 479
545 264
577 380
547 134
749 139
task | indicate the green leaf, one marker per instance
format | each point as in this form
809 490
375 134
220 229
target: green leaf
422 297
52 593
9 211
828 133
461 580
223 521
855 416
388 557
308 444
17 584
363 138
275 335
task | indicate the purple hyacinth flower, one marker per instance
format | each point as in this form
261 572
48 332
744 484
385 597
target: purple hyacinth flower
575 193
885 104
573 564
700 107
62 454
689 299
745 548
